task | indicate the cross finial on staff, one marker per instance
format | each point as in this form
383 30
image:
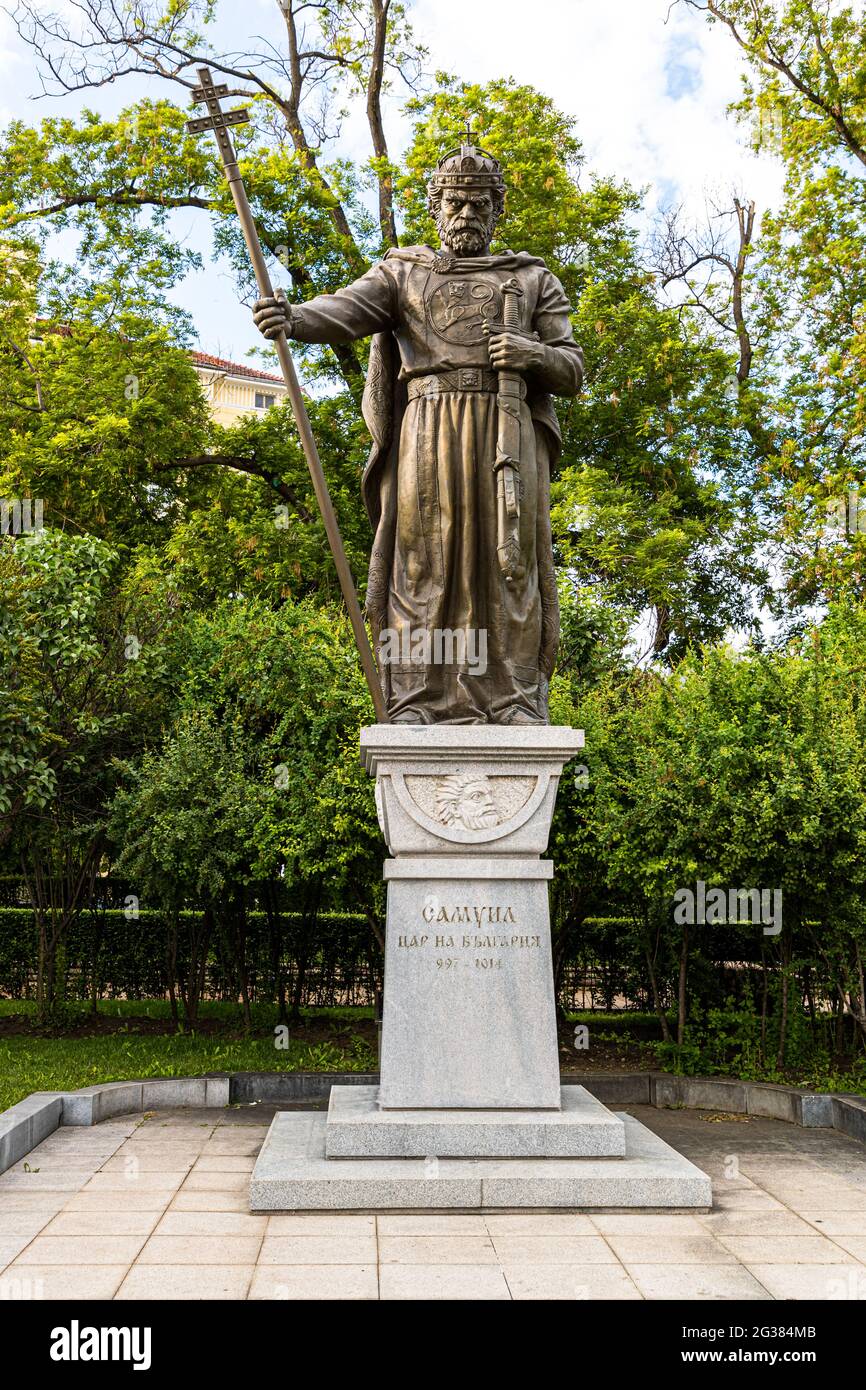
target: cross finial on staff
207 94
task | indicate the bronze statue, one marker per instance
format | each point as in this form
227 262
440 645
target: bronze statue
467 349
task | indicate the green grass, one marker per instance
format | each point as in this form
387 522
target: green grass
64 1064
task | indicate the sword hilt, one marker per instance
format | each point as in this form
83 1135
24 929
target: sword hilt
511 292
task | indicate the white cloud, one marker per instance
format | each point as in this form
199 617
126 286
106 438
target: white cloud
649 96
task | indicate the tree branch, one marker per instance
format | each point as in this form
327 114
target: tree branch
387 222
760 47
244 465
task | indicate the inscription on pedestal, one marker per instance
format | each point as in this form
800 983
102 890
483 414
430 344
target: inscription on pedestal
457 951
469 1011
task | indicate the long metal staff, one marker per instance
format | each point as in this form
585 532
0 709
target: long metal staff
219 121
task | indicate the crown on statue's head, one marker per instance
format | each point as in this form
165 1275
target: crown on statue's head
468 166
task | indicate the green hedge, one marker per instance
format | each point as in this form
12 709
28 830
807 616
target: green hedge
115 956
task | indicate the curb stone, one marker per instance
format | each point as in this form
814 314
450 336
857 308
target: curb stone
25 1125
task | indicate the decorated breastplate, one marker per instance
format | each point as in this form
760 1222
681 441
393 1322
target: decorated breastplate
458 308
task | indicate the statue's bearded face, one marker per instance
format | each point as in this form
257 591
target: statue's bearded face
465 219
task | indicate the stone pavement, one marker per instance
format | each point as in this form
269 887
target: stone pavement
155 1206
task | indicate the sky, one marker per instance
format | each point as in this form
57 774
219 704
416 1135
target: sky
647 81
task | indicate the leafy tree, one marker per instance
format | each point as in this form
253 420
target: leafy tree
740 771
93 421
82 677
255 785
803 98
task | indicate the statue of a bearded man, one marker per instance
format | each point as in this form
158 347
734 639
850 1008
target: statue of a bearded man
468 348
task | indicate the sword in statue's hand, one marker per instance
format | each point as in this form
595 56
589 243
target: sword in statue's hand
506 465
219 121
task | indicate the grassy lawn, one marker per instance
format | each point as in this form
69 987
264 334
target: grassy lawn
138 1045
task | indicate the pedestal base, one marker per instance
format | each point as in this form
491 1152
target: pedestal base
292 1173
583 1127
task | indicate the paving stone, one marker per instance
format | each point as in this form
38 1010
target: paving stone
844 1223
429 1250
638 1223
746 1199
694 1248
121 1180
24 1223
211 1223
855 1245
324 1223
696 1281
536 1223
102 1223
224 1163
431 1282
209 1200
16 1199
171 1164
842 1282
431 1223
232 1142
755 1223
192 1282
200 1250
318 1250
88 1250
164 1136
95 1199
202 1181
76 1281
323 1282
570 1281
562 1250
784 1250
43 1183
800 1193
11 1246
829 1199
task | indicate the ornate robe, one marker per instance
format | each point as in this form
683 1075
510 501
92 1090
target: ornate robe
430 489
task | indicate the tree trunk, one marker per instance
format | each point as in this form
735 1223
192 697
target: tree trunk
273 915
681 991
657 1002
765 996
783 1019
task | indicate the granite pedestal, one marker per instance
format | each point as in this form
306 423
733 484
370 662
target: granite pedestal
469 1111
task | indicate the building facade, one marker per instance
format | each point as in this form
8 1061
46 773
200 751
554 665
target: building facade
232 389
